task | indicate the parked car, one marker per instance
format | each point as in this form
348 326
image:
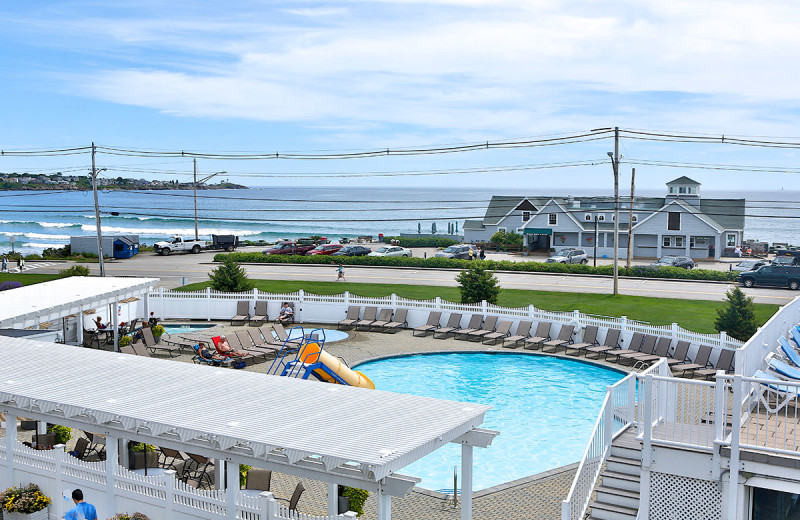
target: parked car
325 249
749 265
773 275
353 250
289 248
569 255
460 251
391 251
674 261
786 260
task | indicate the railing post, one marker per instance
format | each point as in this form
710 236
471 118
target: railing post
438 303
531 310
647 448
723 338
300 300
266 505
674 331
608 434
624 324
632 400
346 299
112 461
719 420
566 512
736 419
394 302
484 307
208 303
11 444
59 469
169 492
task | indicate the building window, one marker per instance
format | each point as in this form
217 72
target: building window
666 242
552 219
587 217
601 217
692 189
526 216
672 189
678 241
731 239
635 218
682 189
674 222
501 229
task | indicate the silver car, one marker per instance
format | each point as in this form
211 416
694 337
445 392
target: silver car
749 265
569 256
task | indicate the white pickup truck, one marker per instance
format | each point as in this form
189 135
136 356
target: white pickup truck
178 245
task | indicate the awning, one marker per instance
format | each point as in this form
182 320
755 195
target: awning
538 231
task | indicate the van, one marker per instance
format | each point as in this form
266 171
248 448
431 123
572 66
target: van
773 275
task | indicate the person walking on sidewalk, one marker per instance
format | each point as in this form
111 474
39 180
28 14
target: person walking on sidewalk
340 273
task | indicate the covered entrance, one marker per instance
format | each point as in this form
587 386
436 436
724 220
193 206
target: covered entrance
537 239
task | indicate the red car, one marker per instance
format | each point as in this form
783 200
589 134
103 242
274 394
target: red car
325 249
289 248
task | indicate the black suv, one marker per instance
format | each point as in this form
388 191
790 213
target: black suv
774 275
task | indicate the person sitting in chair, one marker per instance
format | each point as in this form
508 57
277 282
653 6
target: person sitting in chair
226 350
99 323
287 313
204 352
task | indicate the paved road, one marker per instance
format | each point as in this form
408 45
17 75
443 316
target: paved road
195 268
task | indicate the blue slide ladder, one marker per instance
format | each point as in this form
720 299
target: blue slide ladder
289 347
299 369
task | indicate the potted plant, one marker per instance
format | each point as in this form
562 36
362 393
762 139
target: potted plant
124 341
157 331
352 499
142 455
126 516
62 433
24 503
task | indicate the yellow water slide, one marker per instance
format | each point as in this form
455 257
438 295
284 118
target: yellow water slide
311 354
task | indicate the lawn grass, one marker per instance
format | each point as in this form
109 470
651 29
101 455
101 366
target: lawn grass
27 279
694 315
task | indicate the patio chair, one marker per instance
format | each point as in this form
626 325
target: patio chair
259 479
700 362
242 313
789 352
260 314
198 359
284 318
610 342
283 336
475 323
564 338
152 346
248 346
351 318
783 368
91 339
634 346
97 445
523 333
251 357
432 324
267 344
370 317
679 356
384 317
645 348
400 321
724 363
80 449
140 349
453 324
542 335
775 394
173 459
197 469
127 349
500 334
488 326
298 491
589 340
661 351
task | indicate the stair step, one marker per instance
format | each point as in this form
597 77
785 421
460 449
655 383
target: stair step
618 480
618 497
625 452
628 441
603 511
621 465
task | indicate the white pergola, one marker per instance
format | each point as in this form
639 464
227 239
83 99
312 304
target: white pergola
31 305
336 434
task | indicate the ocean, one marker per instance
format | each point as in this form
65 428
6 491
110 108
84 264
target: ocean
38 220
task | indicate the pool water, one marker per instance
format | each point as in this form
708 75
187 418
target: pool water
544 407
331 335
184 328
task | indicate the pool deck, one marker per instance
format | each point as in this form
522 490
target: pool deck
537 497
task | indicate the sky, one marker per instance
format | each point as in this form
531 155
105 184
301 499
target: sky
307 76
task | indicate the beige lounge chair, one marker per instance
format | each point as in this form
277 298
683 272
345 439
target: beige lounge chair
247 343
564 338
431 325
252 356
700 362
542 335
523 332
140 349
589 340
487 327
453 324
351 318
661 350
152 346
400 321
502 331
610 342
260 314
724 363
127 349
679 356
370 317
634 346
645 349
242 312
475 322
384 318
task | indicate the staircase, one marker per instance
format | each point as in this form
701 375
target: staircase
617 496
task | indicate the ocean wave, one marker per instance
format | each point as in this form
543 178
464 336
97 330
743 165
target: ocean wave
35 236
41 224
39 245
165 232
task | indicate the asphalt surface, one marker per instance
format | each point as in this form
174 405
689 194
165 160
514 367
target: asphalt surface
177 270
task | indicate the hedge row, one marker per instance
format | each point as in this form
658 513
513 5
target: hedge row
503 265
422 241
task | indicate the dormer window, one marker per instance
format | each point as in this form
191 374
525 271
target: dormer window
672 189
526 216
682 189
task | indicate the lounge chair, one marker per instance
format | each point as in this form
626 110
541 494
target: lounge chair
259 479
242 312
589 340
661 351
777 394
431 325
140 349
487 327
500 334
724 363
248 345
523 332
173 459
701 361
610 342
384 318
298 491
152 346
645 348
564 338
235 342
283 336
260 314
197 469
453 324
399 321
81 448
634 346
127 349
783 368
789 352
370 317
795 332
351 318
262 338
542 334
198 359
475 322
679 356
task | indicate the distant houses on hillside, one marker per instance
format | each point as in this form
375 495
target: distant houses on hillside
680 223
58 181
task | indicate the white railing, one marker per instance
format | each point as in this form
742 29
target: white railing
159 496
213 305
750 356
682 412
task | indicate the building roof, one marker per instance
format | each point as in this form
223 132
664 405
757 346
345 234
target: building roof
728 213
49 301
684 180
266 416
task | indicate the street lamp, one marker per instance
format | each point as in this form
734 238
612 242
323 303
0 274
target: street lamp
204 179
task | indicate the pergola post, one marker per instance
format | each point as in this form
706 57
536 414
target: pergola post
112 460
219 474
79 326
115 321
333 499
384 505
146 306
122 450
11 443
466 482
231 488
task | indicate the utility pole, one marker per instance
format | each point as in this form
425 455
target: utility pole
196 233
594 260
630 220
615 164
95 171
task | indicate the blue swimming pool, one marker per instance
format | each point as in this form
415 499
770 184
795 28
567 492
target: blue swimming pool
330 335
544 407
183 328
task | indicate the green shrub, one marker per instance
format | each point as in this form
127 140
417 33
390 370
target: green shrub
157 330
357 499
738 316
124 341
230 277
503 237
33 256
75 270
477 284
422 241
63 434
243 470
141 446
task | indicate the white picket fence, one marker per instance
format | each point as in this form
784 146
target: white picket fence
330 309
158 496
